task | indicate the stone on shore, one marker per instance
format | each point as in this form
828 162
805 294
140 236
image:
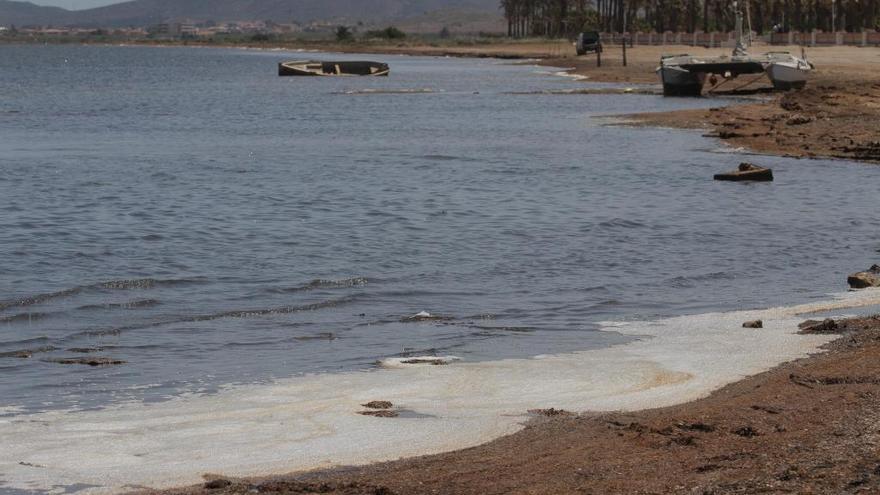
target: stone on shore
380 414
863 280
753 324
819 327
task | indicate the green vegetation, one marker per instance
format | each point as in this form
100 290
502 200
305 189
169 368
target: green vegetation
557 18
389 33
344 34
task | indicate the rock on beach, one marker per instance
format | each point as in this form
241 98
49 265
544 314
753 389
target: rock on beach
863 280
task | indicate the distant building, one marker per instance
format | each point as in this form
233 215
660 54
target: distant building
171 30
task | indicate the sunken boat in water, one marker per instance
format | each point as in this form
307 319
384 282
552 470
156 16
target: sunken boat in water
684 75
342 68
747 172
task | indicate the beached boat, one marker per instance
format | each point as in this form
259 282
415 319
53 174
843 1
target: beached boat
318 68
786 71
683 75
747 171
678 81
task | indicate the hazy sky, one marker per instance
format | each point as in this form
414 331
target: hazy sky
75 4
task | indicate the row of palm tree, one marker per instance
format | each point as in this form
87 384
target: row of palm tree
559 18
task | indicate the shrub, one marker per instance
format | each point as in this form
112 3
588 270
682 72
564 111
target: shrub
343 34
389 33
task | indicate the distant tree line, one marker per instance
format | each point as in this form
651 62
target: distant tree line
565 18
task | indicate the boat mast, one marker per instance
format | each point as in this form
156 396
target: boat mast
739 50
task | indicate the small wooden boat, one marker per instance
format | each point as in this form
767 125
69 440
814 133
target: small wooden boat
747 171
318 68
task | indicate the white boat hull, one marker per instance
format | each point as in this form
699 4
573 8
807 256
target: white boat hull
788 75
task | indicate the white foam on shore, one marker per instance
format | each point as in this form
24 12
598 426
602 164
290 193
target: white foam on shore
311 422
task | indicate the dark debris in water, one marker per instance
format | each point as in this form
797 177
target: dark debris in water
88 361
431 361
26 353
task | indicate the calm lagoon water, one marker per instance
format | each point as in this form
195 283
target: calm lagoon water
191 213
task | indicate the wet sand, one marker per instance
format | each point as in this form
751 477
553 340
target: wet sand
809 426
835 116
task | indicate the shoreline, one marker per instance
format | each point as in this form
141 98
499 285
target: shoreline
833 117
805 426
265 430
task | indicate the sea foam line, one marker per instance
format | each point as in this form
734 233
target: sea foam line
311 422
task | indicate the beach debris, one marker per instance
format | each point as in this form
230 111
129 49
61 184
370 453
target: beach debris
26 353
30 464
85 350
766 409
684 440
378 404
292 486
698 426
425 316
403 362
217 484
550 412
819 327
746 431
753 324
384 413
317 336
799 120
89 361
747 172
863 280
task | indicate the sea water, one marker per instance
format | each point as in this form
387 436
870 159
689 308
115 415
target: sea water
219 228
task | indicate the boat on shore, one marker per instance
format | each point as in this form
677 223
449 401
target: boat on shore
787 71
333 68
684 75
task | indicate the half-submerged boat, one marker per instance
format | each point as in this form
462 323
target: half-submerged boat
747 172
684 75
318 68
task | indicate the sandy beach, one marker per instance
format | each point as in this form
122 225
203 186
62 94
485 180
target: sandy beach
808 426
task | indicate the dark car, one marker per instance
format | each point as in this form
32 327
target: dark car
588 42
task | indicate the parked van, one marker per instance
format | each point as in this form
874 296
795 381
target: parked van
588 42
